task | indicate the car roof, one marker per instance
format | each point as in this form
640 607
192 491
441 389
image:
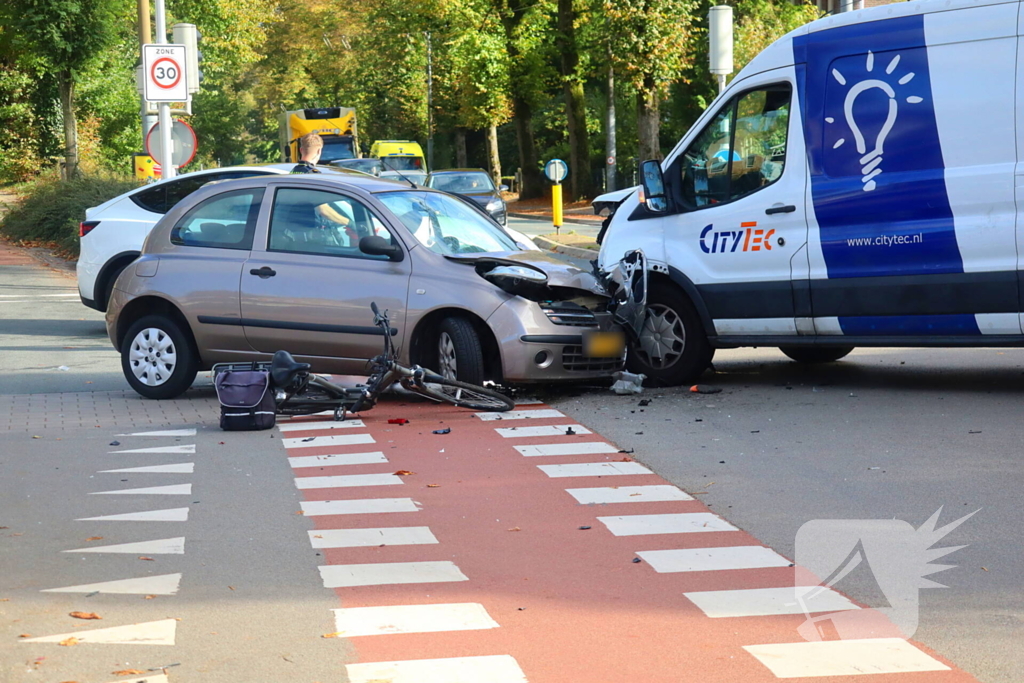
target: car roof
459 170
362 181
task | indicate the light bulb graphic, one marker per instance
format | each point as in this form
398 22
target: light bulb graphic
871 161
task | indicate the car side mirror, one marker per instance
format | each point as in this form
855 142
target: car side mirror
653 182
375 245
503 188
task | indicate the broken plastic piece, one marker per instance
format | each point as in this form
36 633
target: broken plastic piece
569 431
702 389
398 421
446 430
627 383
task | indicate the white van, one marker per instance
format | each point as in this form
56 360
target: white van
855 185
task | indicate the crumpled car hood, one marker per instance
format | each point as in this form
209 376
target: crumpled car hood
562 275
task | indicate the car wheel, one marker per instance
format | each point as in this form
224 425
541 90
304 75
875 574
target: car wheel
108 286
460 355
816 354
673 347
157 358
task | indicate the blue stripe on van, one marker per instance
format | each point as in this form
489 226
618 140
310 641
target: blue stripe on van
960 324
860 83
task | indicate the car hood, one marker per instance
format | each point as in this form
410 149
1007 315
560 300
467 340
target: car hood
565 280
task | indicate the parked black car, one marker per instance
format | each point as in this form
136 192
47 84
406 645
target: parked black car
474 184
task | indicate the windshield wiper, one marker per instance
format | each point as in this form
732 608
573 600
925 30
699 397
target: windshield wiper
383 161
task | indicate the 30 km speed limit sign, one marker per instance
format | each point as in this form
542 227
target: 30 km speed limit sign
164 70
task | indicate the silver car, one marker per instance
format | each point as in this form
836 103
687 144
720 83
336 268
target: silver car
242 268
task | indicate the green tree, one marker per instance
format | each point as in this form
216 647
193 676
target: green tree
63 37
572 71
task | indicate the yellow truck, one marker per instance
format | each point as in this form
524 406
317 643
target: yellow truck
400 159
336 125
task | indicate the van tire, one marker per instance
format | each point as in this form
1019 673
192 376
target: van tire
816 354
672 317
457 342
167 335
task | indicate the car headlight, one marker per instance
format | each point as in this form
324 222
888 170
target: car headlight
517 272
494 205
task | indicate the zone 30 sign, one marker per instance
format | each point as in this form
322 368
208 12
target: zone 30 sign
164 72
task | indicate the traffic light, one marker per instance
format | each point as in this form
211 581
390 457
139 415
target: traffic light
188 35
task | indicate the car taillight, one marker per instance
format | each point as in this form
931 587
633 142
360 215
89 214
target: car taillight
85 227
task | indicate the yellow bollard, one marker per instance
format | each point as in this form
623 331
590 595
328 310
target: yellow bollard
556 206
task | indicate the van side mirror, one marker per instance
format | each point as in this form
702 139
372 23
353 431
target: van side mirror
654 197
375 245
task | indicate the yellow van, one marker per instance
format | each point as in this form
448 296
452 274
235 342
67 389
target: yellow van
400 159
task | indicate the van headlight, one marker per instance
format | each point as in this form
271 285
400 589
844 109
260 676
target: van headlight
493 205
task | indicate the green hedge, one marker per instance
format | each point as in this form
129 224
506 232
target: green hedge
50 210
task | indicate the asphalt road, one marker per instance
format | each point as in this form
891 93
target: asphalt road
882 434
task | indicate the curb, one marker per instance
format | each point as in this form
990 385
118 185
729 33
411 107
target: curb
565 219
575 252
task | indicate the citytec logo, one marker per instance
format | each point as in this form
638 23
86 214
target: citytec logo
747 238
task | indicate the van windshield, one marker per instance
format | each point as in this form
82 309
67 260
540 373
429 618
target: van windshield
445 224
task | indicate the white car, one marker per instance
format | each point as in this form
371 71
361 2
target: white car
112 233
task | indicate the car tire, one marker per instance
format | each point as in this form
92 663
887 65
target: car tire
108 286
673 329
816 354
459 353
148 345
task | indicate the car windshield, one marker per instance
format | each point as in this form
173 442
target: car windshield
402 163
364 165
337 149
446 225
477 181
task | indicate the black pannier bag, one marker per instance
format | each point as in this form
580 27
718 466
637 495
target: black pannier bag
246 400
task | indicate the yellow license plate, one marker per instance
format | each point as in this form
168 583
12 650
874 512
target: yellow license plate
604 344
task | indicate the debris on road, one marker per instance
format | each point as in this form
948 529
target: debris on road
63 368
703 389
404 473
627 383
129 672
309 439
446 430
69 642
398 421
644 402
84 615
625 450
115 443
569 431
637 560
584 528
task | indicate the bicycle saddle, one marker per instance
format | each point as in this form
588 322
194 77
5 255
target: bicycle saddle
283 368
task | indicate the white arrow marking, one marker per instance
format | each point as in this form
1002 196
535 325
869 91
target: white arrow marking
147 633
178 468
165 584
163 546
168 515
172 490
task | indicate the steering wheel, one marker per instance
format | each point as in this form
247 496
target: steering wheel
453 243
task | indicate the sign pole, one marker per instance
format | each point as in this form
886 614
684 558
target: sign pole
167 169
556 206
556 170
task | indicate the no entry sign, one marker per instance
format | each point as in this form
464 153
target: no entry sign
164 71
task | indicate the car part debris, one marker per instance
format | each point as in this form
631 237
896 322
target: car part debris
627 383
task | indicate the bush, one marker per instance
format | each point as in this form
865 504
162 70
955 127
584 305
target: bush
51 210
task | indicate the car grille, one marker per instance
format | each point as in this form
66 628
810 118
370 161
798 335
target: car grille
573 360
570 314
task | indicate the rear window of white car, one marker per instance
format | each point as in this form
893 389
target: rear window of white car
163 196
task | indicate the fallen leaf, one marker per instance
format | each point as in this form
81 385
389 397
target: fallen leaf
300 512
129 672
149 597
37 437
317 536
404 473
433 486
69 642
336 634
231 587
94 538
515 528
148 559
84 615
25 635
985 568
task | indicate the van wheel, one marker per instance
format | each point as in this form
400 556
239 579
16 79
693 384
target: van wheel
460 355
157 358
815 354
673 347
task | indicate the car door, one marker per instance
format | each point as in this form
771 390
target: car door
911 167
307 287
740 229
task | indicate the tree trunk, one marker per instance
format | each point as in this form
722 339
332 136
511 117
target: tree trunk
66 87
575 103
532 185
647 120
460 148
609 133
493 160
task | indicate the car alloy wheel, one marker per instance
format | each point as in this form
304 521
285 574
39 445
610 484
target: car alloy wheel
446 358
663 338
152 357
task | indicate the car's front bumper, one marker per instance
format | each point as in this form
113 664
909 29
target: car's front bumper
534 349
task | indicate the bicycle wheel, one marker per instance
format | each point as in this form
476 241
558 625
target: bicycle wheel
462 394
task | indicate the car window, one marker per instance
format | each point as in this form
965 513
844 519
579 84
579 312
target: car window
163 196
445 224
224 221
324 223
462 182
740 151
